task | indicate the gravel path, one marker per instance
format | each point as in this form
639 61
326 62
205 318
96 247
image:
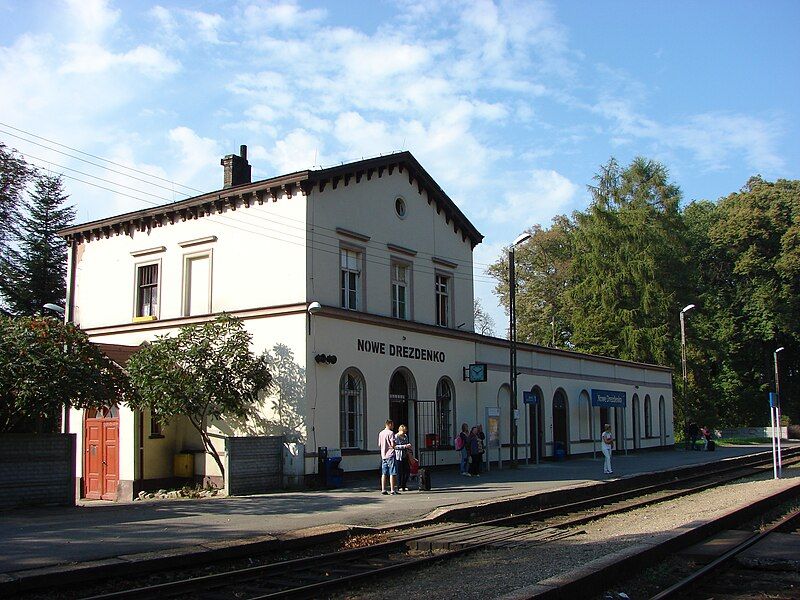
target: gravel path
493 573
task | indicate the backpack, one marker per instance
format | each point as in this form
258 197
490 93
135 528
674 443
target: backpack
459 442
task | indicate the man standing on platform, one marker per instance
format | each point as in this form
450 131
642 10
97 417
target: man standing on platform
386 444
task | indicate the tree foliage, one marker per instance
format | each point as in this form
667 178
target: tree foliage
15 174
34 270
611 280
483 321
45 364
204 372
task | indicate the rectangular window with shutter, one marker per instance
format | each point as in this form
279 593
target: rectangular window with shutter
147 290
351 278
400 291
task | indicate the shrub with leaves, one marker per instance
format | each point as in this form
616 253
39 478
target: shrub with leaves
205 371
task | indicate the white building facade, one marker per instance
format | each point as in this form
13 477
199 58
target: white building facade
387 255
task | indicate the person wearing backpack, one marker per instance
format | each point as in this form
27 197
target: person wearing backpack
461 446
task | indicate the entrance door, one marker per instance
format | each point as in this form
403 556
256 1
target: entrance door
560 431
536 426
398 400
101 454
636 426
662 421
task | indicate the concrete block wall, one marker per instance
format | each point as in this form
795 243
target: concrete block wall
37 469
255 464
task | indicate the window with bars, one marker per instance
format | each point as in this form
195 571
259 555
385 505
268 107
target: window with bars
443 300
147 290
351 278
351 408
444 409
400 308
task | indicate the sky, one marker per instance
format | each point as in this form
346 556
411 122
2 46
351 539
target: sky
512 107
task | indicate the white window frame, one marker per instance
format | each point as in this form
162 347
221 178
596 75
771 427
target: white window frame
359 272
360 413
186 283
394 283
136 285
448 313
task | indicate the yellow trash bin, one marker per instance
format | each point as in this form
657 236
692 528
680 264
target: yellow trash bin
183 465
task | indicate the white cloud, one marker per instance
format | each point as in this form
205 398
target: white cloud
91 19
207 25
546 193
282 15
89 58
194 155
297 151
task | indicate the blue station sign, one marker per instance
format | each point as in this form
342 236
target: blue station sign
608 398
530 398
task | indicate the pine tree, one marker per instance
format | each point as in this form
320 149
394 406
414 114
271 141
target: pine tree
14 176
33 273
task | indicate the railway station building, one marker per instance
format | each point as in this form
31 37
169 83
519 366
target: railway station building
357 279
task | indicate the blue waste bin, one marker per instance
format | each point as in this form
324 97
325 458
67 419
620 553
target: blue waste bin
331 475
559 453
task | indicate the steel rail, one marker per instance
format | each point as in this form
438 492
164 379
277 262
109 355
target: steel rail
686 586
373 552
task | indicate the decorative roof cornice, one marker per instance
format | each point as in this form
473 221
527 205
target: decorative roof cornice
299 182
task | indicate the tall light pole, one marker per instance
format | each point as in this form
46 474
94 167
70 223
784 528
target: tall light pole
684 310
776 416
512 345
59 310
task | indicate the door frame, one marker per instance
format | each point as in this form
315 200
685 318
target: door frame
104 423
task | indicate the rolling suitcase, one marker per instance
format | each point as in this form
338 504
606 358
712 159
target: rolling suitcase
424 477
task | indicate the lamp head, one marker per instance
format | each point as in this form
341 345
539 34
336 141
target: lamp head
779 350
55 308
314 308
687 308
522 237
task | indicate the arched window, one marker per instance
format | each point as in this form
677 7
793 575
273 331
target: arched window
585 415
106 412
445 408
648 417
352 408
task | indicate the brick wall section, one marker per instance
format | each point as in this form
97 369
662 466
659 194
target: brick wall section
255 464
37 469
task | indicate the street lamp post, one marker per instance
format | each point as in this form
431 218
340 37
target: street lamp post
684 310
59 310
775 413
512 345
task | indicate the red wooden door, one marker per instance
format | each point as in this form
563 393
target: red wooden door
110 458
101 459
93 462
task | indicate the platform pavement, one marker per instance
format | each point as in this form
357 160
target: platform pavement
48 536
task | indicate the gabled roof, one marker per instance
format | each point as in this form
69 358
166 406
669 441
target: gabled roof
259 191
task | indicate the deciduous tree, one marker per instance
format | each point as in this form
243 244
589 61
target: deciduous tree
44 365
204 372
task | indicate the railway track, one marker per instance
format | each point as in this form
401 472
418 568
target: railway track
315 576
725 576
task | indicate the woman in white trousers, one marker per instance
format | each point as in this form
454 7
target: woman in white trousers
607 440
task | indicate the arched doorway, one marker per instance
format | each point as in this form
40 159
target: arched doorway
662 421
536 424
101 453
636 422
560 424
402 390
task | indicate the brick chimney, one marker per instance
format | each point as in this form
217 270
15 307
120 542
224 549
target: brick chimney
237 169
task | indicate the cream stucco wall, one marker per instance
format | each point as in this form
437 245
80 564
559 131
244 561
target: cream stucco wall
368 208
258 259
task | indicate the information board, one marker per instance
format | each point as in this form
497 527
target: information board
609 398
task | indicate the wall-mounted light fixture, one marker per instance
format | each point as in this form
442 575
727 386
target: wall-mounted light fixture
326 359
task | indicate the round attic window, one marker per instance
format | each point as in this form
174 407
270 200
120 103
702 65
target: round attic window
400 207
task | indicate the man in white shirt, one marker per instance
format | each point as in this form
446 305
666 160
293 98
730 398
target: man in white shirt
386 444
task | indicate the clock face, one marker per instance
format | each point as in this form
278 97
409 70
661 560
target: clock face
477 372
